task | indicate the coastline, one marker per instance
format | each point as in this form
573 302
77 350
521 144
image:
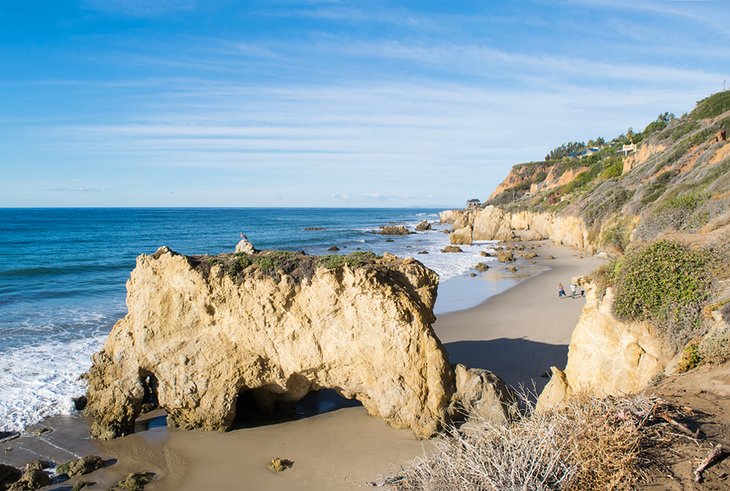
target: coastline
517 333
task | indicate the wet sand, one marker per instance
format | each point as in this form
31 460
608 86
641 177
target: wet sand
517 334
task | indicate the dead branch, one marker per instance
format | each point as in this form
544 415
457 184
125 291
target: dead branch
681 427
715 454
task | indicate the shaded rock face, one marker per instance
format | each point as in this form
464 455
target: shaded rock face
482 395
203 339
606 356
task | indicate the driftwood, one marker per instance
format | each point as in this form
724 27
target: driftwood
681 427
715 454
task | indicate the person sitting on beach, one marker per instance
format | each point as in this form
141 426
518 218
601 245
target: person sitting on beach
573 288
561 290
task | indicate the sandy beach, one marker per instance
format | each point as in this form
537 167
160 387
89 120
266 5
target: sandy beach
518 334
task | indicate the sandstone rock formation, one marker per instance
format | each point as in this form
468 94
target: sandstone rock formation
482 395
202 330
493 223
393 230
423 226
244 246
606 356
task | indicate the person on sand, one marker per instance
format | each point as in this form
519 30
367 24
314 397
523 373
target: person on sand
561 290
573 288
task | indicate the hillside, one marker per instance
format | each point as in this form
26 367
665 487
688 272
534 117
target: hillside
678 179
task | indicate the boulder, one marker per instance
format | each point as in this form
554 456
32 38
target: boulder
245 247
134 482
8 475
333 248
481 267
423 226
33 477
461 236
394 230
452 248
607 356
208 329
482 395
84 465
505 256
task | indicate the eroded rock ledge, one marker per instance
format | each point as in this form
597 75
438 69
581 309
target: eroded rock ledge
206 329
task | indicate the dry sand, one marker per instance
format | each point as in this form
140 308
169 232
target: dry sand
518 334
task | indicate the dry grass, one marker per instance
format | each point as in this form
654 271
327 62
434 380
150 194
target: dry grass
593 444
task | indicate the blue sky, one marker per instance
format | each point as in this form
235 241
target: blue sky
328 103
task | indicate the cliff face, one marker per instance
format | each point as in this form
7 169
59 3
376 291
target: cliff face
606 356
493 223
674 186
199 336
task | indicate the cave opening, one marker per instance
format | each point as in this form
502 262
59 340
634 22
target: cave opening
258 407
151 415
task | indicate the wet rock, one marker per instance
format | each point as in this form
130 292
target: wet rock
389 240
33 477
310 229
393 230
80 403
134 482
279 464
8 475
512 269
81 485
485 254
461 236
423 226
6 436
472 274
505 256
529 255
422 252
452 248
481 267
84 465
333 248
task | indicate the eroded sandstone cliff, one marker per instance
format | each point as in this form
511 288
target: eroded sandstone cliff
606 356
201 331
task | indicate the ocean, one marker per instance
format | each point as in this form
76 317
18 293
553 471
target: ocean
63 275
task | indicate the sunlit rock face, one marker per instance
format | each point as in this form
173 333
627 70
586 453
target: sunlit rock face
205 334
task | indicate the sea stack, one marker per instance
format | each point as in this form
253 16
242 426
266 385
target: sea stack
278 324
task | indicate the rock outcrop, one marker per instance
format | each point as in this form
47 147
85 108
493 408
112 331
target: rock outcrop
606 356
494 223
482 395
202 330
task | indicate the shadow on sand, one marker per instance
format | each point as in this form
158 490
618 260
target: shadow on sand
516 361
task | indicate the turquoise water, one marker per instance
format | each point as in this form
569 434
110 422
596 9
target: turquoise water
63 274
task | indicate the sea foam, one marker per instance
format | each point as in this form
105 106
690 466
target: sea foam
40 381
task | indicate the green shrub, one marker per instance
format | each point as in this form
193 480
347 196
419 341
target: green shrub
712 106
613 169
679 131
657 187
665 283
603 277
690 358
354 260
715 348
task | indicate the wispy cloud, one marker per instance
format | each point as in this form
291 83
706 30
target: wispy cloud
140 8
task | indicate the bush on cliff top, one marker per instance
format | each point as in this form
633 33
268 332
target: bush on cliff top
666 283
712 106
275 263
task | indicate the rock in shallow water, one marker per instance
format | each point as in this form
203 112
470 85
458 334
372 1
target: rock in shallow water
84 465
